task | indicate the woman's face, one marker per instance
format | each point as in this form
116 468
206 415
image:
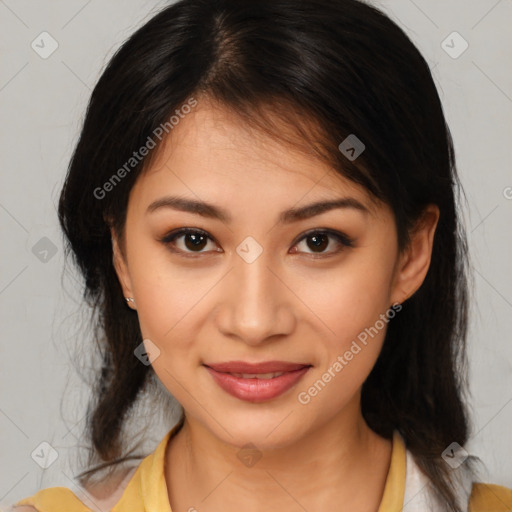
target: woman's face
263 283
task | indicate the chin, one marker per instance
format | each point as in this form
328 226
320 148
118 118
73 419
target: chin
266 431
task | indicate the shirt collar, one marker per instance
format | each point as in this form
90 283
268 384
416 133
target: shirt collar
394 488
148 488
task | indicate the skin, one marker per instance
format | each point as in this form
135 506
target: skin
286 305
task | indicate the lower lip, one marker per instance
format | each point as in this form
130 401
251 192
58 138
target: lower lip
257 390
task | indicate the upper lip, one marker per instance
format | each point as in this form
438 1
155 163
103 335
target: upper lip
254 368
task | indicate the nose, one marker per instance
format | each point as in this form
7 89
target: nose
256 304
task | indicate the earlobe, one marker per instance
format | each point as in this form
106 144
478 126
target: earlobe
121 269
415 261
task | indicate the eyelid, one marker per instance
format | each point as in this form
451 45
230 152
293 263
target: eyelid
176 233
183 231
338 235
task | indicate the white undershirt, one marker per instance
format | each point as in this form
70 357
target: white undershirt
419 496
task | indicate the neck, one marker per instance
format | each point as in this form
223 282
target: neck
342 465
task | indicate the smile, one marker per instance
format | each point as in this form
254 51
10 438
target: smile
261 384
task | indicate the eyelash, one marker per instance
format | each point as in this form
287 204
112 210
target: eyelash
343 239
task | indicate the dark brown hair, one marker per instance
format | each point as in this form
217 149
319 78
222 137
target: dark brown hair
327 69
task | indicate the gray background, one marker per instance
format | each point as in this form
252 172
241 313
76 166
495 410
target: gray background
42 388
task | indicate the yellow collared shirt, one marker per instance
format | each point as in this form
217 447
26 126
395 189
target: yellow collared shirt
147 490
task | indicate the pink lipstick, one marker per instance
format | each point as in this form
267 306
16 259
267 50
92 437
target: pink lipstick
256 382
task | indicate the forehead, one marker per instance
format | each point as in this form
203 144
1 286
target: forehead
212 153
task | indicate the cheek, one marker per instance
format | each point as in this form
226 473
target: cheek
166 304
353 306
170 308
351 303
164 296
351 297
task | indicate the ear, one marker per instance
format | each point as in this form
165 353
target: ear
121 268
415 261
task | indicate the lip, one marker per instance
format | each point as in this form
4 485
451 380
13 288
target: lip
263 367
254 389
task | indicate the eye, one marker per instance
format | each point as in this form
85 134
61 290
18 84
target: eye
194 240
319 240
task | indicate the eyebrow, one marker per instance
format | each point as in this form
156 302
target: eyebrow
286 217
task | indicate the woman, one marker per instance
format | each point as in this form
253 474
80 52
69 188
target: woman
263 203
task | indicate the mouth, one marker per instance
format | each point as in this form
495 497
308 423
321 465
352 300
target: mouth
256 382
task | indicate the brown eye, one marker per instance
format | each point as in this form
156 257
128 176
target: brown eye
193 240
318 241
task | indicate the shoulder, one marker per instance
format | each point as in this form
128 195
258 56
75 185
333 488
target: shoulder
50 498
108 492
490 498
96 497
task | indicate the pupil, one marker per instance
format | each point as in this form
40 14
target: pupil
196 240
319 242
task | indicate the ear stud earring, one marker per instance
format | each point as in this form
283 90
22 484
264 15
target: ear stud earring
129 299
